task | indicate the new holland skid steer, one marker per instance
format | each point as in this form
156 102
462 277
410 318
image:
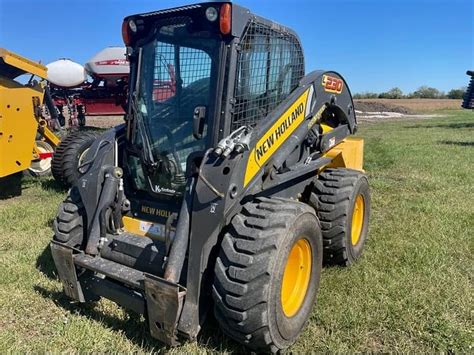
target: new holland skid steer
228 193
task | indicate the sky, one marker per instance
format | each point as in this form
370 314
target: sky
375 44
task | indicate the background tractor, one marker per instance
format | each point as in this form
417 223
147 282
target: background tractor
227 191
96 89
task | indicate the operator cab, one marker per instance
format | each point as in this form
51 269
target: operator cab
183 99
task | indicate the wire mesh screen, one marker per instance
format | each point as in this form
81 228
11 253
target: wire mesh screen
270 65
194 70
175 79
176 100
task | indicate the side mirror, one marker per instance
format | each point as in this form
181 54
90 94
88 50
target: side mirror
199 116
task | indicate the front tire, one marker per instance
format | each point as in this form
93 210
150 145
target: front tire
70 222
267 273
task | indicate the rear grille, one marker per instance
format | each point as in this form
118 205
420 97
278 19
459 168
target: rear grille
170 11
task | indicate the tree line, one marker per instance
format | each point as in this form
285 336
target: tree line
423 92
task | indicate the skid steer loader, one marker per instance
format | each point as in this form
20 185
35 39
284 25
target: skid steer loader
228 194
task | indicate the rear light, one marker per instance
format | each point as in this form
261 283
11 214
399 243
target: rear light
126 33
225 19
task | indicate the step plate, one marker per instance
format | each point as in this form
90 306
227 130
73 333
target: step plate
122 273
140 253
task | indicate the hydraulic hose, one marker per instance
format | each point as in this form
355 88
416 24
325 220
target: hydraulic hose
179 247
48 100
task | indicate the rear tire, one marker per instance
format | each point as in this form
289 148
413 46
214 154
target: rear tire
342 201
255 299
69 154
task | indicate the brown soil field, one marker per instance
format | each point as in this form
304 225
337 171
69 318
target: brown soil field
104 121
417 105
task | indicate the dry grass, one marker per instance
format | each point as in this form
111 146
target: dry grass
420 105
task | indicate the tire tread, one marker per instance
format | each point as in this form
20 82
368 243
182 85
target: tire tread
65 159
244 268
331 195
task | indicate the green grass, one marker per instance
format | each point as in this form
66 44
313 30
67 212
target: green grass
411 291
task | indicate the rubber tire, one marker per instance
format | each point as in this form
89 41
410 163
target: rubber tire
70 222
66 157
249 272
47 172
334 197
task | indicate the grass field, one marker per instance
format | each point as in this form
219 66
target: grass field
411 291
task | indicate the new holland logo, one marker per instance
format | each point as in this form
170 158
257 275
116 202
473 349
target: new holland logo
277 134
280 130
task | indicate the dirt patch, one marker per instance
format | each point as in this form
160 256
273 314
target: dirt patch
379 106
104 121
385 116
373 110
416 105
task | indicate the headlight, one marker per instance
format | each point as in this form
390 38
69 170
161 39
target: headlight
211 14
133 26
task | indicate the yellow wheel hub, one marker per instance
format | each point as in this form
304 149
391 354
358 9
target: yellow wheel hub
296 277
357 219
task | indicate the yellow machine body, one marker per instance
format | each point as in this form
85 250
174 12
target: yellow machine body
347 154
19 113
144 228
